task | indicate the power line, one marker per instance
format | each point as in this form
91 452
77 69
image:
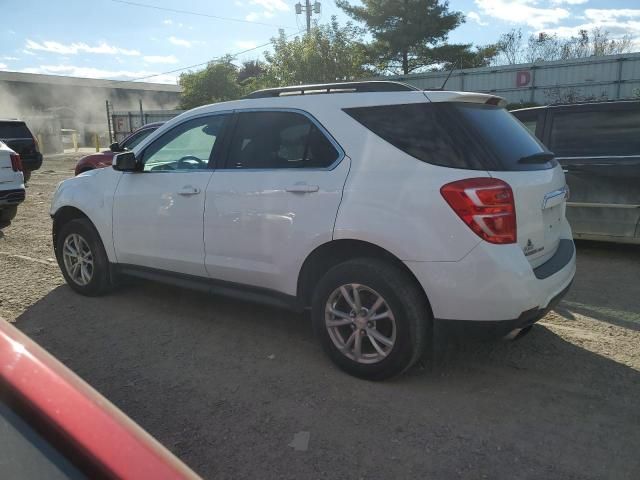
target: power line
199 14
201 64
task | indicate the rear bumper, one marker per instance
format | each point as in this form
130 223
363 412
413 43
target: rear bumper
11 197
495 283
499 328
32 162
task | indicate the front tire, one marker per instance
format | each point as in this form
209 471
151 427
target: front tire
372 318
82 259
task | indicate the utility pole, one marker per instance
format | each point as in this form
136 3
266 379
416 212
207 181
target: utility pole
308 10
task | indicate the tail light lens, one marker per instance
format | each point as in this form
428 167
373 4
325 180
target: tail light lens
486 205
16 162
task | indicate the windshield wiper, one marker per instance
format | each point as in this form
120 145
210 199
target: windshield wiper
540 157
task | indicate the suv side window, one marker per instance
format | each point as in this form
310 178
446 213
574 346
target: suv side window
188 146
273 139
596 132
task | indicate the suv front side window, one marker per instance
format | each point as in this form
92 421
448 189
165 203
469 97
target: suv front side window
276 139
188 146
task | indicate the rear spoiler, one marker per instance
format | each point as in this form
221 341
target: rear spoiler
465 97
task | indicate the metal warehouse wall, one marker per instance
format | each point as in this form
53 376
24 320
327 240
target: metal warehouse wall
606 77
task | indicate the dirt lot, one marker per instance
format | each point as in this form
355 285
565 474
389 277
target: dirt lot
227 385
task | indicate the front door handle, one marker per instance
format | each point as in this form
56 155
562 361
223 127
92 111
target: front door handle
188 190
302 188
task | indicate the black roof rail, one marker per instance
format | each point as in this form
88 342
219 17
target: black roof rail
344 87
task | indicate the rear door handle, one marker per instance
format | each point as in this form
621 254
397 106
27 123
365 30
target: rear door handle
188 190
302 188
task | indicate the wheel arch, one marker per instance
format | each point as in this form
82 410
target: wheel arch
329 254
64 215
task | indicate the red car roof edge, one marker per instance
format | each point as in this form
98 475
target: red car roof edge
89 420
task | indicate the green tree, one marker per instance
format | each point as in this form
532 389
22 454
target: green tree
251 69
409 35
218 82
328 53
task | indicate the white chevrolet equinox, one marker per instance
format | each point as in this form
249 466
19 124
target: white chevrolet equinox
381 208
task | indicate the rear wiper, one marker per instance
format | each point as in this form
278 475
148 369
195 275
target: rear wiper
541 157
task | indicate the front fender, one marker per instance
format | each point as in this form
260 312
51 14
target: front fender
92 194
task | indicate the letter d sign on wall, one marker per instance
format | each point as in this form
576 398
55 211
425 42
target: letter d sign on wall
523 78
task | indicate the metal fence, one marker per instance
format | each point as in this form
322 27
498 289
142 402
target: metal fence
123 123
606 77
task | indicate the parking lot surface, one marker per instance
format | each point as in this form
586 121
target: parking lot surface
228 386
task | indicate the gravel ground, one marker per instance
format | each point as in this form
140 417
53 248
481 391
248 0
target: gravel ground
227 386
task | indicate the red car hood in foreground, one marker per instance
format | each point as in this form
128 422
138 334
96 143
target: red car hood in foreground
92 428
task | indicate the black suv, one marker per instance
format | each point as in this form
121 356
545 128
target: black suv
19 138
598 146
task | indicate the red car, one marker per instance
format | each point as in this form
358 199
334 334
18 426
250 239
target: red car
55 426
103 159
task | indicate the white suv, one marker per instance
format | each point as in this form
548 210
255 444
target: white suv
379 207
11 184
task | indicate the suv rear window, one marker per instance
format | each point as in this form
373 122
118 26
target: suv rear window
596 133
14 130
456 135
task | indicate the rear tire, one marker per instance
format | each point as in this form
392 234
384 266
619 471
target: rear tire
27 175
82 258
393 323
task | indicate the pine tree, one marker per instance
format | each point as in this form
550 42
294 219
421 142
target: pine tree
411 34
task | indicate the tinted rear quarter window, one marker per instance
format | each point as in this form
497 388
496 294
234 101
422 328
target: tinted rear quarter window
506 137
456 135
596 132
423 130
14 130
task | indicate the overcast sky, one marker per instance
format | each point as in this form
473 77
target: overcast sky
119 40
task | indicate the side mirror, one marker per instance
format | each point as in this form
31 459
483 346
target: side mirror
115 147
125 162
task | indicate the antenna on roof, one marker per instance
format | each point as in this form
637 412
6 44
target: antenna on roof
455 64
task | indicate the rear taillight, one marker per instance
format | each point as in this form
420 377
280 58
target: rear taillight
16 163
486 205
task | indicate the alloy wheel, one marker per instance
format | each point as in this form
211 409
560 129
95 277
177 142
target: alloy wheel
78 259
360 323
